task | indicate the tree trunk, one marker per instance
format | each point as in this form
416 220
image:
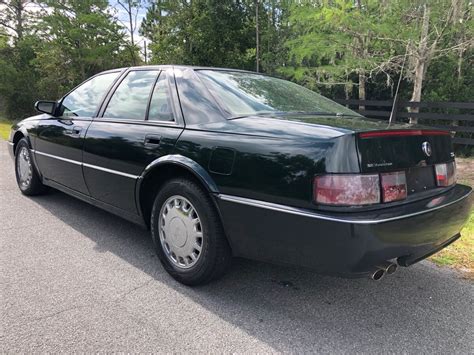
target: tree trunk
417 87
257 35
362 93
19 19
420 63
146 58
457 6
131 22
460 61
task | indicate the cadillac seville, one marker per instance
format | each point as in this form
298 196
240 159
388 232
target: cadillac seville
220 163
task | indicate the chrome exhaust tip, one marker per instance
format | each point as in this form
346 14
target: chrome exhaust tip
391 269
388 267
377 274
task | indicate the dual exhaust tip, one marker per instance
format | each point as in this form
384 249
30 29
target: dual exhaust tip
386 268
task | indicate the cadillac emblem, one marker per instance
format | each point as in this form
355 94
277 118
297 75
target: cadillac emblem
426 148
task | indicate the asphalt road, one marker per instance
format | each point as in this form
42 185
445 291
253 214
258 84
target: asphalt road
75 278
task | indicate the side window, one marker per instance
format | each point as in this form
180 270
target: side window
130 100
84 100
160 105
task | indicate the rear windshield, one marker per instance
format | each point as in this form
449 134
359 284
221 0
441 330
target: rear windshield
245 94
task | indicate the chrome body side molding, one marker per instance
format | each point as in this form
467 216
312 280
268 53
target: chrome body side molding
346 219
116 172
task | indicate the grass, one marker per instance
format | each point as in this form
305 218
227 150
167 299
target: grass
4 128
459 255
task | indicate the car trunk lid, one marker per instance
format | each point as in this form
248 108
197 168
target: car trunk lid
414 151
386 150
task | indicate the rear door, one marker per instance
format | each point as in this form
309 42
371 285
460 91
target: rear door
59 140
139 123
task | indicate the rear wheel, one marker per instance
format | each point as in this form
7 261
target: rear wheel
27 177
187 233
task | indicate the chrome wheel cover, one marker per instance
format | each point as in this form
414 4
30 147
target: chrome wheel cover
181 232
24 168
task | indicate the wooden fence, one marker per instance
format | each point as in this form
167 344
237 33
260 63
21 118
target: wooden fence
457 117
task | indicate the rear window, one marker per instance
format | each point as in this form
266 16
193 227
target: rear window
246 94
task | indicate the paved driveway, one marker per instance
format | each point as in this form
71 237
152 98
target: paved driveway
74 277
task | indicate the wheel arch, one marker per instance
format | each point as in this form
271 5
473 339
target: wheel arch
17 136
163 169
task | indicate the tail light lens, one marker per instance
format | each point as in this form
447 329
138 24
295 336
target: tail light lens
445 174
347 190
394 186
367 189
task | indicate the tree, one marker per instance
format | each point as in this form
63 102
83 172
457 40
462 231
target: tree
12 16
429 30
131 8
17 76
81 39
274 31
332 42
201 32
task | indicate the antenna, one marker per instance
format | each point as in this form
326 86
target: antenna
395 98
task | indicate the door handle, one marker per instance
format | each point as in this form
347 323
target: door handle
74 132
152 140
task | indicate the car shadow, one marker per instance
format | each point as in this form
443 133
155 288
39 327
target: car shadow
292 309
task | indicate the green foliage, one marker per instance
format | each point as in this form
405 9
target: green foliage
18 78
333 40
344 48
57 50
82 35
201 32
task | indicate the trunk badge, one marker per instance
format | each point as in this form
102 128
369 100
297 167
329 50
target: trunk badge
426 148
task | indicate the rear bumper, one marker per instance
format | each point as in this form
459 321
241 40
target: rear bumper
348 244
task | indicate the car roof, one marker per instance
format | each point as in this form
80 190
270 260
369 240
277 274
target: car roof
193 67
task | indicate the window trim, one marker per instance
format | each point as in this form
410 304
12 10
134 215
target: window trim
170 99
183 74
99 105
226 114
150 95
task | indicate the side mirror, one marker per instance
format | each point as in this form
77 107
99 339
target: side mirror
46 106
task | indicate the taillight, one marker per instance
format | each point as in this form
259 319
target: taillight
445 174
346 190
403 133
394 186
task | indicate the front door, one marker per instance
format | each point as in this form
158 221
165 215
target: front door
59 140
139 124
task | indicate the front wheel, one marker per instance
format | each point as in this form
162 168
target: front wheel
27 177
187 233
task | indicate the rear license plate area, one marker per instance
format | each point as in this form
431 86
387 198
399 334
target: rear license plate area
420 179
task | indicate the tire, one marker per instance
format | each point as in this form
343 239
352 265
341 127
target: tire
190 229
27 176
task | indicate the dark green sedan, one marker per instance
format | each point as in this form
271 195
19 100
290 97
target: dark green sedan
221 163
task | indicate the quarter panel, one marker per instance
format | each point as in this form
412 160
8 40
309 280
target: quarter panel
264 168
